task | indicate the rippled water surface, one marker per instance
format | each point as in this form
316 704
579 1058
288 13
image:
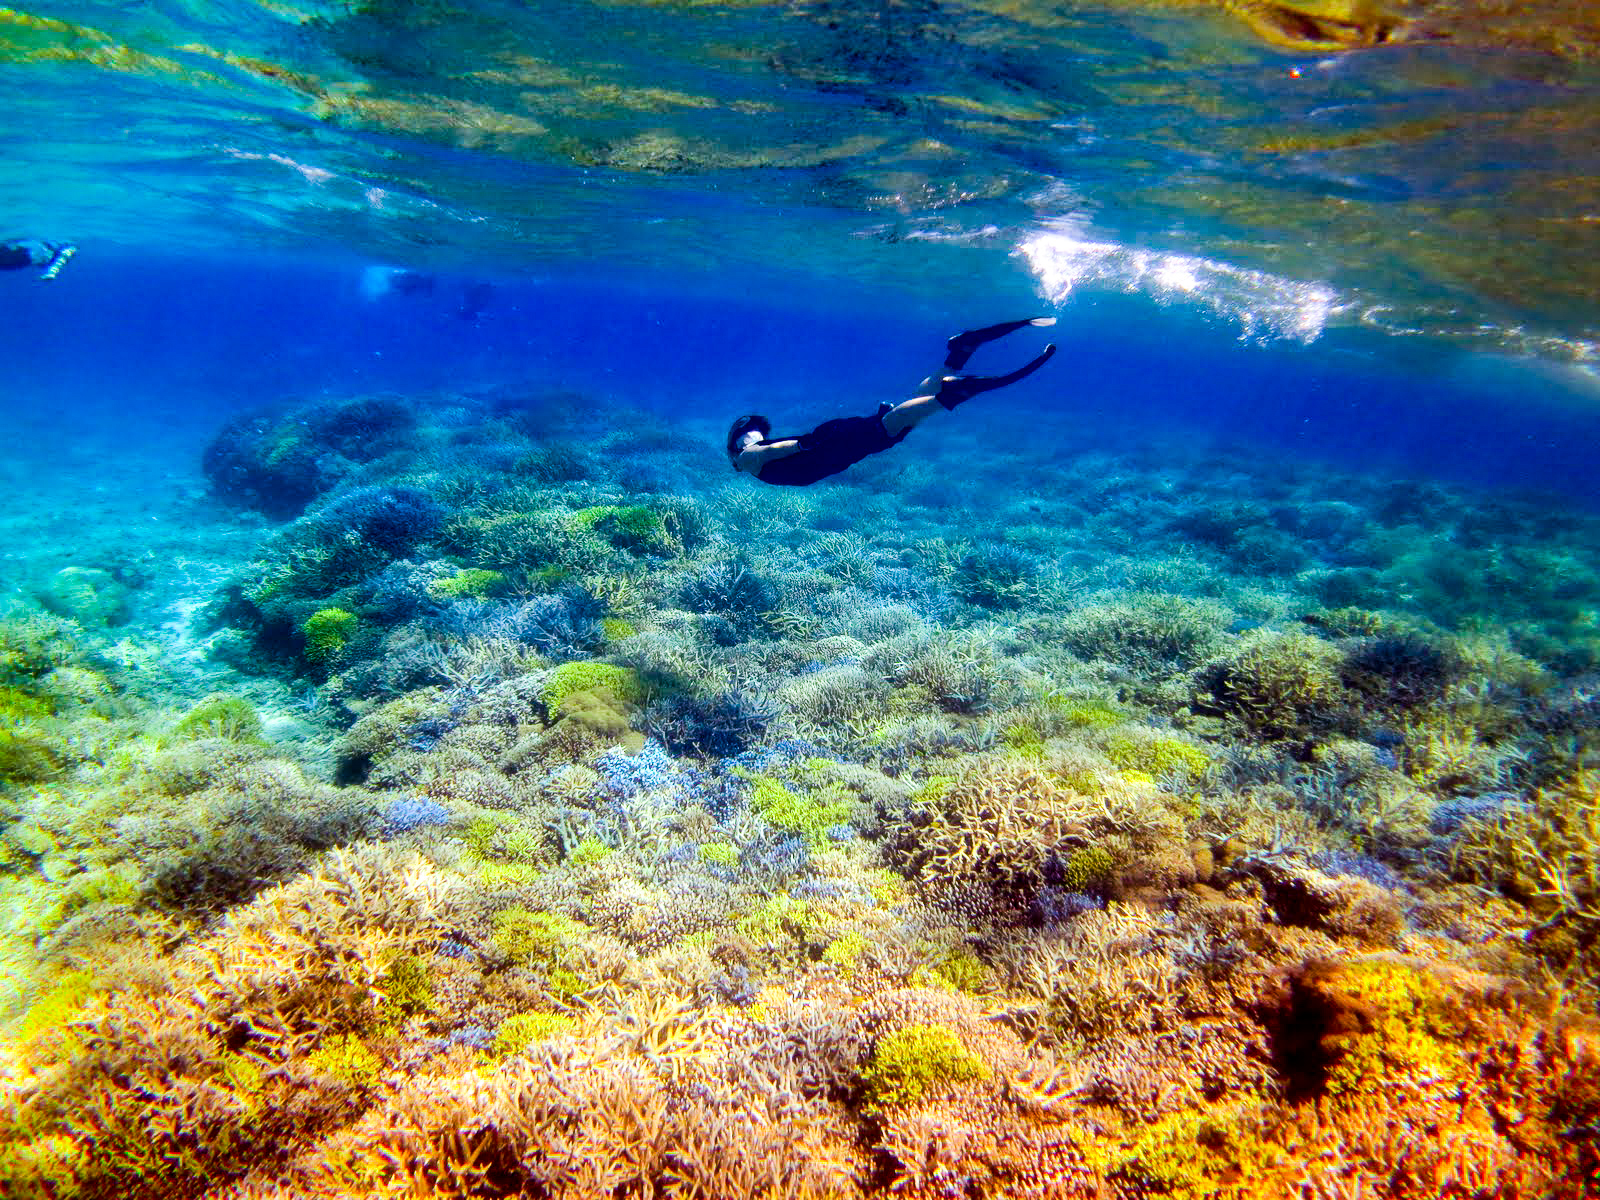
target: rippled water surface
1293 168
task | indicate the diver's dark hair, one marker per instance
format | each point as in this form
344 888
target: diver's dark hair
743 426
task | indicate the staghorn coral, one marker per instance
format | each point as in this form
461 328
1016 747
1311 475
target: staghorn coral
246 1044
995 828
961 674
913 1059
327 631
278 463
1545 852
1277 685
642 975
219 715
1153 634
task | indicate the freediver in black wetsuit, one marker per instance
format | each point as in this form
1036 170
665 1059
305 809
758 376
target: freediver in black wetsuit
835 445
18 254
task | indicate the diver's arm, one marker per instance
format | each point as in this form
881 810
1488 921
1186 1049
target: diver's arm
752 460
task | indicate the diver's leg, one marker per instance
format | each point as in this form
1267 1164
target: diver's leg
958 389
908 414
961 347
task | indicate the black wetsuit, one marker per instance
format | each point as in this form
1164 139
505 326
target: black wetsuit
20 253
830 448
845 441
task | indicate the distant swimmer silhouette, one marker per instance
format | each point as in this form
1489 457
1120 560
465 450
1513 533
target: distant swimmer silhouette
18 254
837 444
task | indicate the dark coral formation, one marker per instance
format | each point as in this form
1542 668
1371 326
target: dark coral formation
279 462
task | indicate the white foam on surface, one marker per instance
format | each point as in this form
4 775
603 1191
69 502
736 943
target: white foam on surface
1065 259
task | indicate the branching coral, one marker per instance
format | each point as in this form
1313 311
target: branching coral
327 631
1546 853
1051 930
254 1038
1276 685
995 828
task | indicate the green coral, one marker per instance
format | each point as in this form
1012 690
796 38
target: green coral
1081 780
588 852
1276 684
347 1059
508 874
240 1074
88 595
119 884
1154 634
809 816
32 646
327 631
632 527
994 576
615 628
1088 868
719 854
52 1010
574 678
407 987
1026 741
220 715
962 969
933 789
565 984
29 750
29 755
886 887
501 835
1157 757
1411 1026
908 1062
534 937
1188 1156
517 1033
781 919
533 541
469 582
18 705
1085 714
845 951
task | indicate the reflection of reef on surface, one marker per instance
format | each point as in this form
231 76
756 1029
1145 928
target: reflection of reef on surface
1429 149
1174 830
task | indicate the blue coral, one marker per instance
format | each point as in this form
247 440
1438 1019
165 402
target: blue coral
712 726
407 814
650 769
391 520
564 625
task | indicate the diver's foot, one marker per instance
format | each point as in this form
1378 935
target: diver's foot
958 389
961 347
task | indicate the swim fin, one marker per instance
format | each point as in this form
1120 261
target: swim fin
961 347
958 389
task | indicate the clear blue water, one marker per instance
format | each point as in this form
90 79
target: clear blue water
1282 578
1385 255
207 336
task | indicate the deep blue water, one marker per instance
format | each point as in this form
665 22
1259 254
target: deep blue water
1376 255
206 337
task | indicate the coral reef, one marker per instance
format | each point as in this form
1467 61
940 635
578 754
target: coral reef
593 857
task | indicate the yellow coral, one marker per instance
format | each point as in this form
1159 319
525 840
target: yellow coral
909 1062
